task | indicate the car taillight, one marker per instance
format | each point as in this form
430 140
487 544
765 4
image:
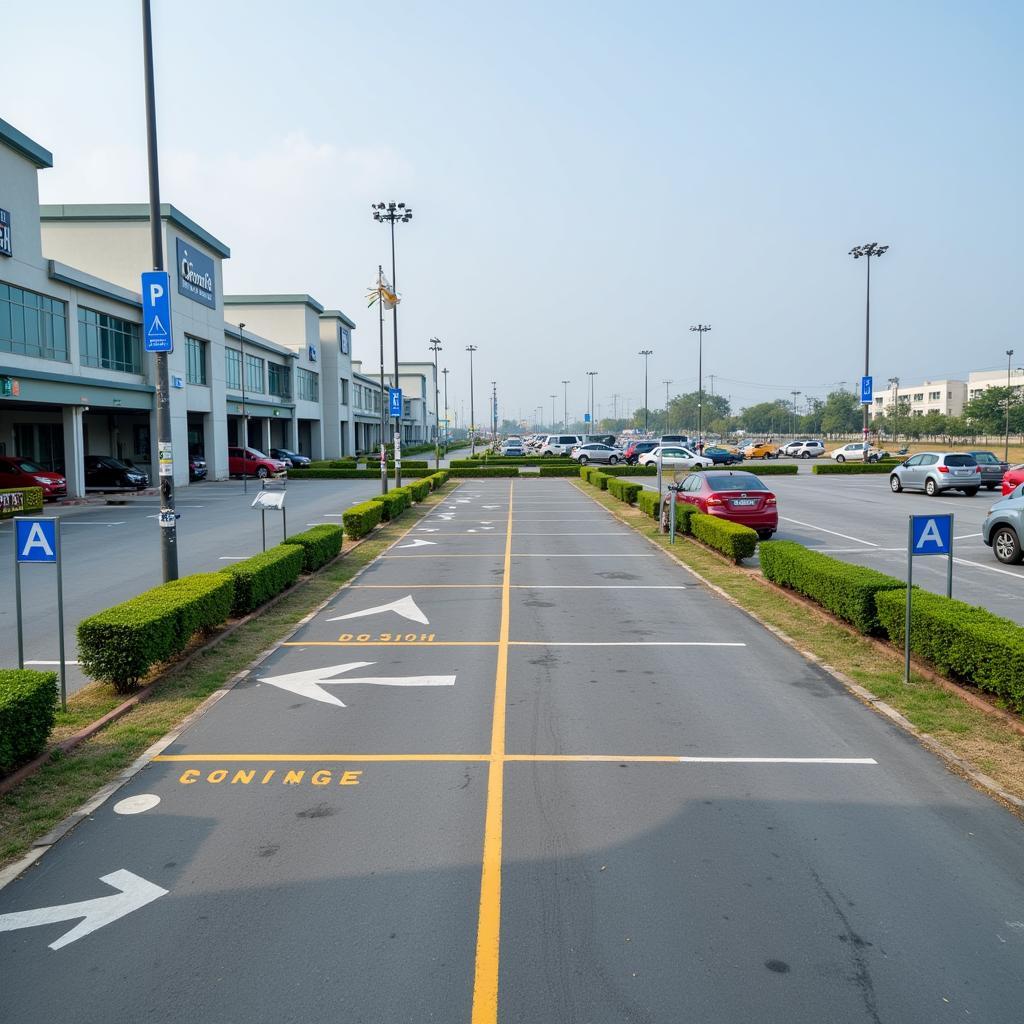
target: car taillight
714 500
770 500
943 469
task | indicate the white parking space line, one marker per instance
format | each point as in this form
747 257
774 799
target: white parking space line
991 568
27 662
597 586
93 522
967 536
625 643
777 760
231 558
845 536
333 515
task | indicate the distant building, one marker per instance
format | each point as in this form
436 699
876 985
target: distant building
943 396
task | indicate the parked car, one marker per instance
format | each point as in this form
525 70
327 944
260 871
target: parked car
722 456
609 439
1012 479
513 448
597 452
635 449
252 462
675 457
1003 529
760 450
858 451
560 444
676 439
933 472
992 469
734 495
803 449
293 460
18 472
106 471
196 467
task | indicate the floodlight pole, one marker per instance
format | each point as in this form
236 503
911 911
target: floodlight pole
701 330
646 353
1006 448
435 347
565 403
472 415
867 251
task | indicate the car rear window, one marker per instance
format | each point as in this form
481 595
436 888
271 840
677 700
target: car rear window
986 458
961 460
734 482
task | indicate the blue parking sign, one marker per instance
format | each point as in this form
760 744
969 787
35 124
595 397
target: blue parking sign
35 540
867 390
395 402
932 535
156 311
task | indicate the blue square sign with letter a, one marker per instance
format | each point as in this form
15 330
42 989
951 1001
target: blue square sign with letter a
932 535
36 540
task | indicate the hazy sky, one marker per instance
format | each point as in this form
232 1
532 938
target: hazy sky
587 179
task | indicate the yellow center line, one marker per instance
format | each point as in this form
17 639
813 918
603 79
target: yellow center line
488 933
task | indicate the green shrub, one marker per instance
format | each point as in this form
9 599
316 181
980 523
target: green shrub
319 544
28 706
460 472
624 470
960 640
360 519
505 460
733 540
598 479
570 470
263 576
348 463
623 489
767 468
121 644
649 502
846 590
420 489
825 468
438 478
350 474
394 503
31 500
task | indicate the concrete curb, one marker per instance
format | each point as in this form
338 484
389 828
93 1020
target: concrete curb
865 696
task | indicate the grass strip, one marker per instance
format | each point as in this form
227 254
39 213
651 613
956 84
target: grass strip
67 781
984 741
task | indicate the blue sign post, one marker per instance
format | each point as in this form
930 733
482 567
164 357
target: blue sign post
867 390
926 535
156 311
37 539
395 402
586 417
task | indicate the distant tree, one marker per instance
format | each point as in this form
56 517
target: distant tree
841 413
987 412
767 417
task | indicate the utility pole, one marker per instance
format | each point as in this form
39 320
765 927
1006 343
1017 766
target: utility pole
667 429
472 417
795 394
553 397
867 251
565 403
245 412
435 347
383 447
894 382
1006 449
168 517
646 353
494 410
591 374
701 330
446 424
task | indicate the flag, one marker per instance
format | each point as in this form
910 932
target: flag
383 291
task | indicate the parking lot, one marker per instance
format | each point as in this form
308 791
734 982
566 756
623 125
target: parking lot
858 519
112 552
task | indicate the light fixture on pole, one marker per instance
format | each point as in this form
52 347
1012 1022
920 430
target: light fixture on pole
894 383
701 330
494 410
435 347
591 374
472 417
392 213
446 424
646 353
565 403
867 251
1006 449
796 395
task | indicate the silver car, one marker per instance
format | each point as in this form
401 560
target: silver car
934 472
1004 527
597 452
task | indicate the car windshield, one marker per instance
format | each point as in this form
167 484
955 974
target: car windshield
254 453
734 482
985 458
961 460
27 466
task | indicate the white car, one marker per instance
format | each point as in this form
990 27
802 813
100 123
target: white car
675 457
856 452
803 449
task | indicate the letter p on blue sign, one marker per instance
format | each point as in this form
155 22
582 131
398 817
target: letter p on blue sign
932 535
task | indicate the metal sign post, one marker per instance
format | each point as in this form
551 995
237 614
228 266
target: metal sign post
37 539
926 535
659 474
272 499
673 488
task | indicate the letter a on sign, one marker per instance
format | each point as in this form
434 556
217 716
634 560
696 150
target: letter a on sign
932 535
36 540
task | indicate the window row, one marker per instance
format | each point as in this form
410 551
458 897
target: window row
32 324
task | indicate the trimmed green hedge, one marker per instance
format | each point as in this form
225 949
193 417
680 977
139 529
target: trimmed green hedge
625 470
827 468
121 644
649 502
960 640
438 478
394 503
599 479
263 576
420 489
732 539
570 470
624 490
501 460
846 590
31 501
350 474
332 464
319 545
360 519
28 707
459 472
763 468
406 464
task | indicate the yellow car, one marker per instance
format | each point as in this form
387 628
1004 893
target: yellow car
761 450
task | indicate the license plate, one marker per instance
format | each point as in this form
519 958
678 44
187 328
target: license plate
744 501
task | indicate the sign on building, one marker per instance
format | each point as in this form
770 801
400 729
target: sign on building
6 248
196 275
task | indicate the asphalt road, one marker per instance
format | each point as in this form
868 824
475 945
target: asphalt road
112 552
563 782
858 519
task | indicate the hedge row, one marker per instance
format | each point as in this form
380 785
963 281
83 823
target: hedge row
360 519
420 489
264 576
504 460
122 643
649 502
350 474
347 463
827 468
765 468
28 707
960 640
623 490
319 545
623 470
570 470
438 478
849 591
460 472
732 539
394 503
31 501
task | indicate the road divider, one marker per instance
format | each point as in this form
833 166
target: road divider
258 579
28 709
319 545
845 468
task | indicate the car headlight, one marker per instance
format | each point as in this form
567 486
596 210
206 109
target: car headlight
42 480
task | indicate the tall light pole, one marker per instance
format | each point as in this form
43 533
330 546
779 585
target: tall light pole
1006 449
565 403
894 383
646 353
701 330
867 251
796 395
591 374
445 372
668 428
472 416
168 517
494 410
245 412
390 213
435 347
553 398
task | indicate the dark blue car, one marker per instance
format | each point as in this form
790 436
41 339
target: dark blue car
721 457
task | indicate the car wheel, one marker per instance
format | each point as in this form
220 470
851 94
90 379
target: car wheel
547 455
262 472
805 455
840 458
1006 545
929 488
765 534
584 460
613 460
970 491
896 484
991 487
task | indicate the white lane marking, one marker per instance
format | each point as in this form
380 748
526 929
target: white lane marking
231 558
967 536
49 662
428 529
333 515
959 561
597 586
991 568
624 643
133 892
308 684
404 606
854 551
845 536
417 542
136 804
778 760
93 522
562 554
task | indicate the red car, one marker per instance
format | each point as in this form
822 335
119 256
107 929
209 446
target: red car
1012 479
250 462
15 472
734 495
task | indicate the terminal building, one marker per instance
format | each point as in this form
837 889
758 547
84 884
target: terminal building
270 371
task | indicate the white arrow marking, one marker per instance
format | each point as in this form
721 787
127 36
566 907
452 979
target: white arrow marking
488 506
404 606
308 684
416 543
446 516
135 892
462 501
427 529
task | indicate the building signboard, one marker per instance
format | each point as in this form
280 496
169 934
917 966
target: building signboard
5 234
195 275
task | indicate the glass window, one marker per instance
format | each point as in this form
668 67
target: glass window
961 460
109 342
734 482
233 369
254 374
919 396
279 380
32 324
934 396
195 350
308 385
344 390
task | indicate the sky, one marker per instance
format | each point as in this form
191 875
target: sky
587 179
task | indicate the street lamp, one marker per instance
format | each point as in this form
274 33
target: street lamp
591 374
494 410
565 403
245 415
701 330
392 213
646 353
1006 449
668 427
435 347
445 372
894 383
796 395
472 416
553 397
867 251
